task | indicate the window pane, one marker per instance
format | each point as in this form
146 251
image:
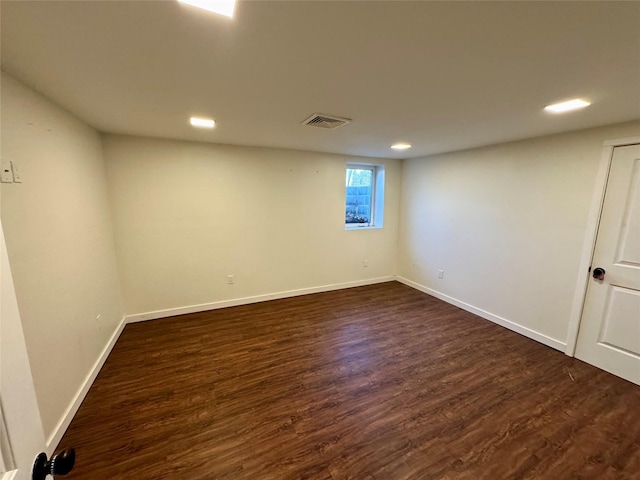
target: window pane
359 195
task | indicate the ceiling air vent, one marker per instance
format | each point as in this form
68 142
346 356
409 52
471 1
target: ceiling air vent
325 121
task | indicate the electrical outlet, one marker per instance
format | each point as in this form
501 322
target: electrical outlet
440 274
99 322
365 263
230 279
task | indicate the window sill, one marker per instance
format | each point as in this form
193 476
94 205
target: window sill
374 227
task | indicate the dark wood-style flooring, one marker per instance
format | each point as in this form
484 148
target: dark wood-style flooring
379 382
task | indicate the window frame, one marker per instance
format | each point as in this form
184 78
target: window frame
377 196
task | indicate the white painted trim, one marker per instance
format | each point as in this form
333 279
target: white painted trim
503 322
6 456
13 474
63 424
589 243
619 142
170 312
588 246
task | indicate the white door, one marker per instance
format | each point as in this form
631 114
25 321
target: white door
609 336
21 435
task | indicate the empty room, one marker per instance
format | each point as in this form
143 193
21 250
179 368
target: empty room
320 240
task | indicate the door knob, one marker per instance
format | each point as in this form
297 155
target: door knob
60 464
598 273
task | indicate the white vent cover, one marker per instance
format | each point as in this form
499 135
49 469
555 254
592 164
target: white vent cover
325 121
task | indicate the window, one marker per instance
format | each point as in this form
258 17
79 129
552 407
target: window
364 195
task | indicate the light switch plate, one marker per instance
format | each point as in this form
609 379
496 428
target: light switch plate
7 173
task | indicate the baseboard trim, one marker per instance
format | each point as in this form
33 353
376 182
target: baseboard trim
170 312
61 428
503 322
56 436
54 439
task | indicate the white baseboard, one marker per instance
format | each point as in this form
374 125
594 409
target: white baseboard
61 428
55 438
63 424
170 312
527 332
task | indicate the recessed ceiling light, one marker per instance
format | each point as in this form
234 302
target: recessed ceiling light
401 146
567 106
223 7
202 122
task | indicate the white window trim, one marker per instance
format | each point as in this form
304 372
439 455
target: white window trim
377 197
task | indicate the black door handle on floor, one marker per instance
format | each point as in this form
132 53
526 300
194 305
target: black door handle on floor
60 464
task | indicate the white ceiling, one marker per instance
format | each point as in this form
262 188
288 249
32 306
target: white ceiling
441 75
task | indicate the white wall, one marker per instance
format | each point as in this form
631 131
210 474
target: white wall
60 245
187 214
506 223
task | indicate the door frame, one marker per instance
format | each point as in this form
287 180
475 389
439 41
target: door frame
20 411
589 244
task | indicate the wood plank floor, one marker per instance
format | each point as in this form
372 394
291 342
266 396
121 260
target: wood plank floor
379 382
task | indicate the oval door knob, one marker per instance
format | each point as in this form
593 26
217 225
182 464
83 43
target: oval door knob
598 273
60 464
